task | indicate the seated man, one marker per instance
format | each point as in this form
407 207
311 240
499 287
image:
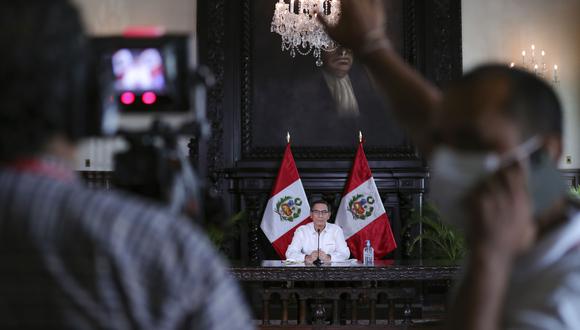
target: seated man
304 244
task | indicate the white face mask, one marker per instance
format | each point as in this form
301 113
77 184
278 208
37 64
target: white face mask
455 173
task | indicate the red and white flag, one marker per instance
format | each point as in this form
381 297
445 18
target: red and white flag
361 213
287 207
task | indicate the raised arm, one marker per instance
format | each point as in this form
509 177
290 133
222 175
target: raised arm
414 99
501 228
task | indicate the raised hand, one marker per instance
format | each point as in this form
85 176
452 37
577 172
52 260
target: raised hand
501 219
361 22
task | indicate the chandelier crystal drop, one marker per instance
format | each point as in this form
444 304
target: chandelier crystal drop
295 21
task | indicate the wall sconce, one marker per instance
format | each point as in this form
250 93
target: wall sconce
539 66
530 62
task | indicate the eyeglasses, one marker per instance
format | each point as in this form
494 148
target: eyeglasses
318 212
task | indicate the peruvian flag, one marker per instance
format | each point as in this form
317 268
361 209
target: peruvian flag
287 207
361 213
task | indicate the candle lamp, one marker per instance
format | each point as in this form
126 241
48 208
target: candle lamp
538 66
543 62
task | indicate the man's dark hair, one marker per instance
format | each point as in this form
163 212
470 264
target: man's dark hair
322 201
531 102
43 65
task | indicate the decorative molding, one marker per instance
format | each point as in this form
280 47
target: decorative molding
254 204
321 153
215 57
410 32
246 86
377 273
446 56
335 296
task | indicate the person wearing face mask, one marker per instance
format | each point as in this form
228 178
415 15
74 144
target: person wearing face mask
306 244
493 139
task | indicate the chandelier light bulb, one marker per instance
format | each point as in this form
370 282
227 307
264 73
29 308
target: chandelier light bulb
300 30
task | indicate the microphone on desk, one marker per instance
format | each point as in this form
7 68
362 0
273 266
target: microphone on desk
318 262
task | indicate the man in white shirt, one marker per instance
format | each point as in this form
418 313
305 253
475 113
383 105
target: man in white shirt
304 244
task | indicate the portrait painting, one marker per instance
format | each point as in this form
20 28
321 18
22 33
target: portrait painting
321 106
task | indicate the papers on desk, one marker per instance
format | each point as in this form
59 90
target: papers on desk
346 262
291 263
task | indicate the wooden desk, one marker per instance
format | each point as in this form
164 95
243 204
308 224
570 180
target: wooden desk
396 284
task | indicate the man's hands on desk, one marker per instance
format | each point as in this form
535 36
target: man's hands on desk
309 258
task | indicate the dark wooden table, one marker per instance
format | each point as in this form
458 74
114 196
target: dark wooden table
354 285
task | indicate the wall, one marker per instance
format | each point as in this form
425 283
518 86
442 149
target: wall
498 30
111 17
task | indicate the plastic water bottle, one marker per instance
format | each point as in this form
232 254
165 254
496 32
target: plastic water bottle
368 254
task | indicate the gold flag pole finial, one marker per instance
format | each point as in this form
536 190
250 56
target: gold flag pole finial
288 137
360 136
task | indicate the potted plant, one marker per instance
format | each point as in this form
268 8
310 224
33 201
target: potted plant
439 240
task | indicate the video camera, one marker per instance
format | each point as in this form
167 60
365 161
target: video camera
150 94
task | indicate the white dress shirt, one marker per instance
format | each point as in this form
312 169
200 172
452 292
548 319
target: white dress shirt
544 290
305 241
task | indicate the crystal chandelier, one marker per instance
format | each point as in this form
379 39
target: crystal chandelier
296 22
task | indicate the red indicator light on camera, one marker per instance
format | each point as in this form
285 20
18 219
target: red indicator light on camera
127 98
149 97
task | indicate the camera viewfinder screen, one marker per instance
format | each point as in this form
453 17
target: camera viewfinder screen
138 70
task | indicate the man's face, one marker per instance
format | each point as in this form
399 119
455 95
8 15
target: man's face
338 62
471 118
319 214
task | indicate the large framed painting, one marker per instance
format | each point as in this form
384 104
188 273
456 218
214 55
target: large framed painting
325 107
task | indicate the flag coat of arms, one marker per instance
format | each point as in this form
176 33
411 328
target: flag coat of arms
361 213
287 208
